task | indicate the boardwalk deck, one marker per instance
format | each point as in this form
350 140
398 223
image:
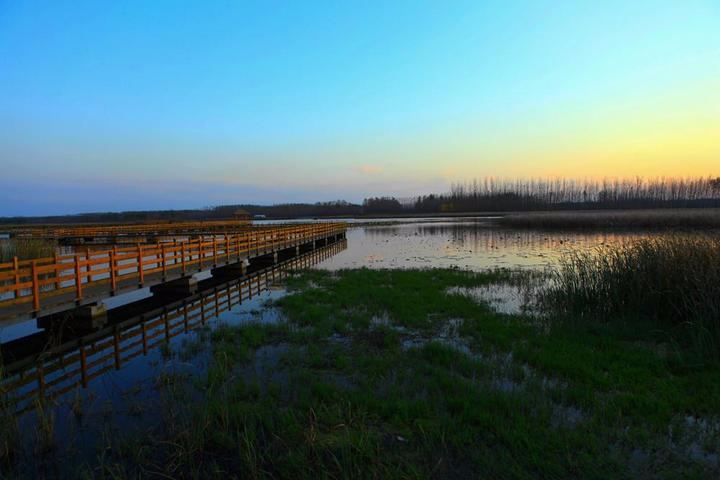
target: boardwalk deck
46 285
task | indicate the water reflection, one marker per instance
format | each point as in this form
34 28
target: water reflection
469 244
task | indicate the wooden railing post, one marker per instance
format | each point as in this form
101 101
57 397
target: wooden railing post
35 286
201 254
16 268
182 255
88 267
56 262
214 241
141 272
158 255
164 266
113 278
78 280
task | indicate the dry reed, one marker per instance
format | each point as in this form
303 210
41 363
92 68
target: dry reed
25 249
658 218
672 281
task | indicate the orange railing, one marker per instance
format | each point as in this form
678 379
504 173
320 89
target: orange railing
59 231
33 280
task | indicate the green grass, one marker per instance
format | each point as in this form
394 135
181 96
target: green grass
363 380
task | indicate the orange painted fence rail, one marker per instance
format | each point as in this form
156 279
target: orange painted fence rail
58 231
34 280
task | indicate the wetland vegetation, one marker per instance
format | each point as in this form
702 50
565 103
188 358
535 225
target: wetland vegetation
593 355
406 374
671 218
25 249
669 282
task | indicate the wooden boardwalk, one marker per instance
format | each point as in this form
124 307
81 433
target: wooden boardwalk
45 366
125 230
60 282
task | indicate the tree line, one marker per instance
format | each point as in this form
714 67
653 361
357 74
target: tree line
479 195
491 194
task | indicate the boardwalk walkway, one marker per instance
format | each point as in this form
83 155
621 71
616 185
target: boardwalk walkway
51 284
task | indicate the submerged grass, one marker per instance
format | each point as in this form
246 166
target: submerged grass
25 249
388 374
671 284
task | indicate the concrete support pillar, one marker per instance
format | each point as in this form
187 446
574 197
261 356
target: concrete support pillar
84 317
267 260
182 286
234 270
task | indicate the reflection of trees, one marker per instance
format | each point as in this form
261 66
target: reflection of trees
481 236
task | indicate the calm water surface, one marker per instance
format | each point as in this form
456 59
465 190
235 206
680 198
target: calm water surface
474 244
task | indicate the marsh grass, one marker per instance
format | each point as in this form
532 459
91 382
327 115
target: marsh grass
626 219
346 396
356 401
25 249
671 283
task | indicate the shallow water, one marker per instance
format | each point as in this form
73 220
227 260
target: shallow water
473 243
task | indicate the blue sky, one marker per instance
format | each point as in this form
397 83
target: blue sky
136 104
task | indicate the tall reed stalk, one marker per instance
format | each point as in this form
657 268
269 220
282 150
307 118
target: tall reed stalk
25 249
672 281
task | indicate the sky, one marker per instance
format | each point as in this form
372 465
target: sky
109 106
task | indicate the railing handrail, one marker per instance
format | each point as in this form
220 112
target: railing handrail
114 229
31 280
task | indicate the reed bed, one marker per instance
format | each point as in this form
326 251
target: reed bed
658 218
673 282
25 249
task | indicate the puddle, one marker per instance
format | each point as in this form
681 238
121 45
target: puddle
566 416
501 297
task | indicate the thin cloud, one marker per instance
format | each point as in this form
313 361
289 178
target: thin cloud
369 169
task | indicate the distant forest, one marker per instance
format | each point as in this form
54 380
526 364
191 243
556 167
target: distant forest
487 195
494 195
